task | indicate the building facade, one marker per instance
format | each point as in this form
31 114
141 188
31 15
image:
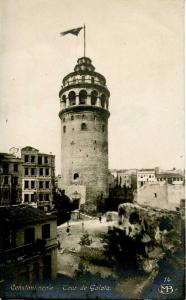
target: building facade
145 176
10 179
38 182
28 245
84 100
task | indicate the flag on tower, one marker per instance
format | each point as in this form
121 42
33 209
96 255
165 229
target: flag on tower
74 31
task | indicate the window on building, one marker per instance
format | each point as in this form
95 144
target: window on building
41 172
32 171
15 180
6 180
32 198
63 119
83 78
46 231
26 171
92 79
46 159
39 160
40 197
47 171
15 167
26 198
83 126
64 129
5 168
6 195
82 97
94 96
46 197
26 158
26 184
32 184
47 184
29 235
33 158
72 98
72 118
103 128
40 184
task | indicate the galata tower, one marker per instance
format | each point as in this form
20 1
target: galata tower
84 101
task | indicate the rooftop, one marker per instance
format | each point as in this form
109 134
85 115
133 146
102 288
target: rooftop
17 216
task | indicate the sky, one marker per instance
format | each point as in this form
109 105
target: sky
136 44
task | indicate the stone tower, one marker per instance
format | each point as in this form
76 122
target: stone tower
84 114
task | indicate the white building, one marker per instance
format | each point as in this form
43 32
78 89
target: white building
145 176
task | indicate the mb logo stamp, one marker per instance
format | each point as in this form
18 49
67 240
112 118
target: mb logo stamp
166 287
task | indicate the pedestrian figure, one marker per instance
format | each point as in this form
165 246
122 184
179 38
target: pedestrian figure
100 219
83 227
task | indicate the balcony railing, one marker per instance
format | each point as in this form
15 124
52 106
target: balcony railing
22 252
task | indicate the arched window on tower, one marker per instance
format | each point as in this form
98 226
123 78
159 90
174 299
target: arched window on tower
83 126
76 176
106 103
103 99
82 97
72 98
64 128
64 101
94 96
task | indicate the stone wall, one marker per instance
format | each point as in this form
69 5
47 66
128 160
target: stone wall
85 152
160 195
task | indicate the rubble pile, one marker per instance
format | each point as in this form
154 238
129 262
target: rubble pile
147 234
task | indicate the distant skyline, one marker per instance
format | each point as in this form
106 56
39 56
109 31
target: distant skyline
138 45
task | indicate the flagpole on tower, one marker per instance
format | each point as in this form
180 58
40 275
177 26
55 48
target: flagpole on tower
84 40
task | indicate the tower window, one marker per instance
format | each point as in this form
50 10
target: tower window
83 78
63 119
76 176
103 99
72 98
82 97
83 126
72 118
64 100
94 96
103 128
92 79
64 129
